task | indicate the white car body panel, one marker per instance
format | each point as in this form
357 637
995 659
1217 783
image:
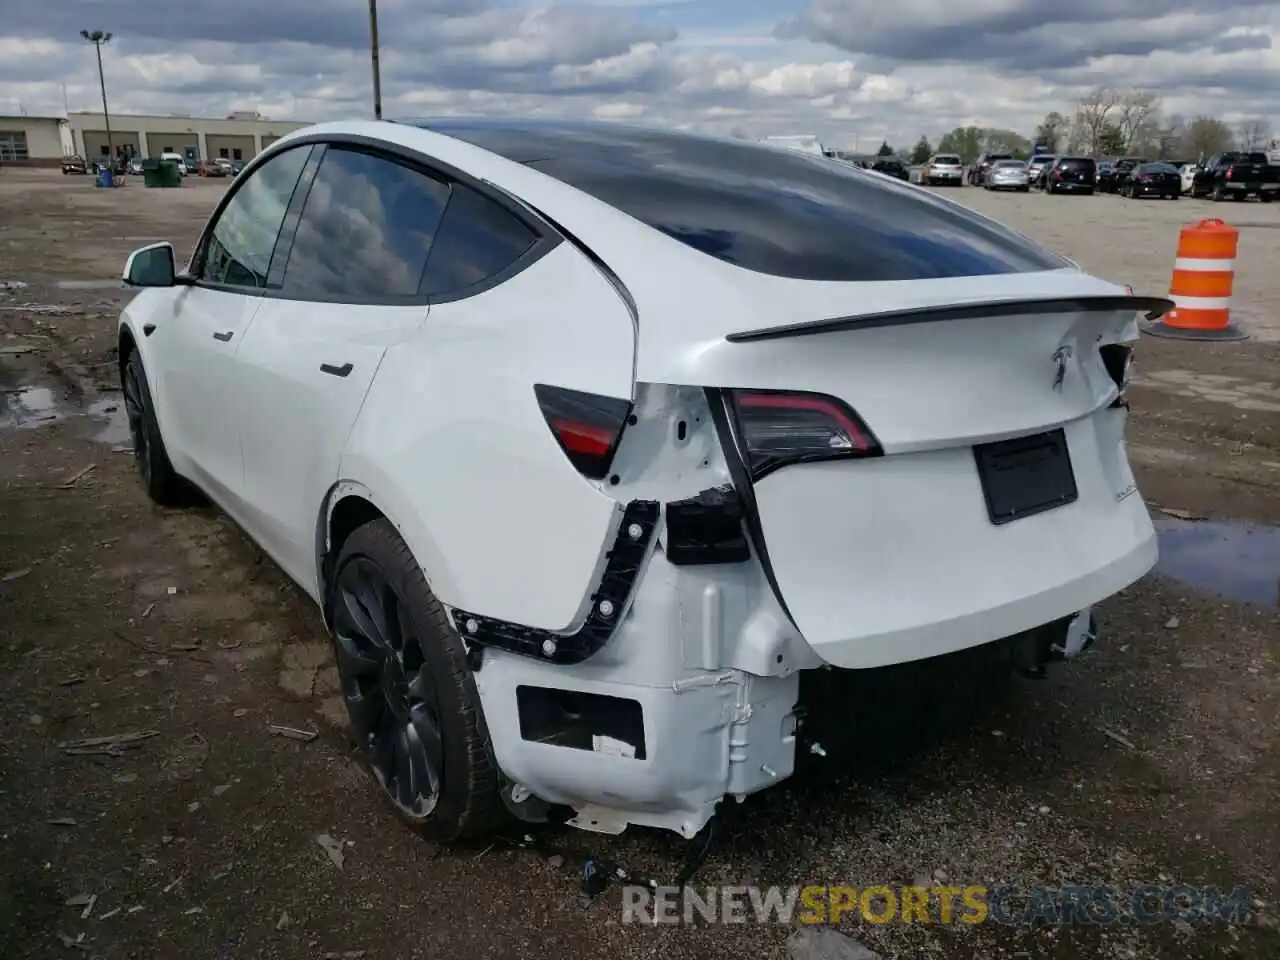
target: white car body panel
866 562
196 384
497 516
851 576
295 419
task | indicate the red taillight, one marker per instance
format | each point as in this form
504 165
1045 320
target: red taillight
586 425
777 428
1228 174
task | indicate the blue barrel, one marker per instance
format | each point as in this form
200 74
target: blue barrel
104 178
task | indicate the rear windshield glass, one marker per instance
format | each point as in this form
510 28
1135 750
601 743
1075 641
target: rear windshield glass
1010 163
1157 168
1252 158
1076 163
946 158
772 211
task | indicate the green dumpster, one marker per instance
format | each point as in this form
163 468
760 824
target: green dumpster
160 173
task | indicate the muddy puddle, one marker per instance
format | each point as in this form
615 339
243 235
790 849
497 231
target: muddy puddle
32 407
1231 559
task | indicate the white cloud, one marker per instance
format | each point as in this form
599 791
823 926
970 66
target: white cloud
848 70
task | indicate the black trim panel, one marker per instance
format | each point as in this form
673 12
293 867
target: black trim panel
1156 307
622 567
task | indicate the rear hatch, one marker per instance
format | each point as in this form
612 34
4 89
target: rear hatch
978 484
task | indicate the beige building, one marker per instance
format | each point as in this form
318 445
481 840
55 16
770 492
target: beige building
37 141
237 137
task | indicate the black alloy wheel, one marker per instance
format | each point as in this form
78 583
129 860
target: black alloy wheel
413 704
162 483
388 688
135 413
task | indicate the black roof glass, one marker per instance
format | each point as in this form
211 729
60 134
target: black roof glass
763 208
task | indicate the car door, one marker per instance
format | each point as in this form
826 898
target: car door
198 345
350 289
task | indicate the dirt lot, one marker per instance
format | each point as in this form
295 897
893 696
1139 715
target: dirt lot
1155 759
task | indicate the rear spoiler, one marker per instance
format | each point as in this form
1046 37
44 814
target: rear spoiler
1153 307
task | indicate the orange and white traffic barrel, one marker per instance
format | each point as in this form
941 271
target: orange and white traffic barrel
1203 274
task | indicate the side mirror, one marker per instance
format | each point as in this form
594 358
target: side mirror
150 266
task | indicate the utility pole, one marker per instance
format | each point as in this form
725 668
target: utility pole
98 38
377 78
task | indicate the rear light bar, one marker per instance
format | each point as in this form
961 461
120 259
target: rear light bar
777 428
586 425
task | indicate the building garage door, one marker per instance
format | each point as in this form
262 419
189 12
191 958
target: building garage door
158 143
229 147
95 142
13 147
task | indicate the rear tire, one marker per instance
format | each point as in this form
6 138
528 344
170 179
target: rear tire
155 471
409 692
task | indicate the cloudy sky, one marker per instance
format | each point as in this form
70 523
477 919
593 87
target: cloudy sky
852 71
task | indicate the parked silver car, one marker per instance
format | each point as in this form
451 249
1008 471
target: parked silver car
1008 175
943 168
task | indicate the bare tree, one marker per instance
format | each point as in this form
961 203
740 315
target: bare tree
1207 135
1053 129
1168 135
1253 134
1135 110
1092 116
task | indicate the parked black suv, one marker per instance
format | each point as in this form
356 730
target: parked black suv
1070 175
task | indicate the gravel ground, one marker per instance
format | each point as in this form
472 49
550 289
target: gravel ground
1153 759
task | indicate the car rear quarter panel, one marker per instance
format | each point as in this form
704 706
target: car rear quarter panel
452 441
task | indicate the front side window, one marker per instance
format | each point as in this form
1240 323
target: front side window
238 249
366 229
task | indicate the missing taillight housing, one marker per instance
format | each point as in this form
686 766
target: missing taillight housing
1118 359
586 425
776 428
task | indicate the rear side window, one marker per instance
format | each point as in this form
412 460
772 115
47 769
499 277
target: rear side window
366 229
238 249
477 239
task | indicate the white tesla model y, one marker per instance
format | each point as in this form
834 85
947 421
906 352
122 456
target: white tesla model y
589 439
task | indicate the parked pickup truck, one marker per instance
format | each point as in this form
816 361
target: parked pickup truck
1237 176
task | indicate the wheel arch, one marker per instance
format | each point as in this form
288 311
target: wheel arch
347 506
126 344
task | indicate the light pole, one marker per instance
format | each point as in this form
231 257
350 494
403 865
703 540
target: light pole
98 38
377 78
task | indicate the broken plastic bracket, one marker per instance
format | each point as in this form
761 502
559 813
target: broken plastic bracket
707 529
622 566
